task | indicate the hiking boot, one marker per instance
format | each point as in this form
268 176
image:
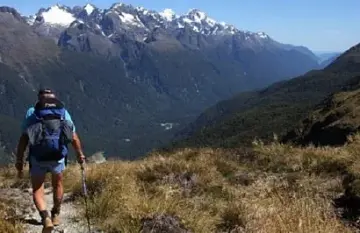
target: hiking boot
55 217
47 225
46 221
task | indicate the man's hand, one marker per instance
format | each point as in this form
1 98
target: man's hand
81 158
19 165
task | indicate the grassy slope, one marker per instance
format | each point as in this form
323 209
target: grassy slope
270 188
9 219
331 121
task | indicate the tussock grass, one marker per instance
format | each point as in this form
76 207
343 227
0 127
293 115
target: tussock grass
272 188
6 223
9 222
282 189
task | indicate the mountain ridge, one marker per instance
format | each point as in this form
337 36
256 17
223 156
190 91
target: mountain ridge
196 19
275 109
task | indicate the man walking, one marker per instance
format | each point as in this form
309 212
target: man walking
47 130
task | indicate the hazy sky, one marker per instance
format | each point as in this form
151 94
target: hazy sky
321 25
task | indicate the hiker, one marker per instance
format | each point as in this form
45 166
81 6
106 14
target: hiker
47 129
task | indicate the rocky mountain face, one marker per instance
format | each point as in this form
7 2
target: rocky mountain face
278 108
104 31
131 76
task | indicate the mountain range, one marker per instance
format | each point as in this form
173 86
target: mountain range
102 30
132 77
318 107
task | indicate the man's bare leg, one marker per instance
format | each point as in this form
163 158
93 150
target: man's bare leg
38 198
58 194
38 192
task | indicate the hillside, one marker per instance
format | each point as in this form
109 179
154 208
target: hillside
268 188
331 122
272 110
123 77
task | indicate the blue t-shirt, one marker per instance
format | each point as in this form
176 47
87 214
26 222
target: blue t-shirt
30 119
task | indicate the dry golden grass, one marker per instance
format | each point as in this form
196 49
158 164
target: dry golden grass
6 223
274 188
282 189
9 222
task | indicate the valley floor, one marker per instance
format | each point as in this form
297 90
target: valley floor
266 188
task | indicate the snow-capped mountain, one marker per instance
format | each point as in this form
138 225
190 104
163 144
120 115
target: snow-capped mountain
57 15
105 31
120 17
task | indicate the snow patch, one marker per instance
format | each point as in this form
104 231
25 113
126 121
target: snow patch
89 9
211 22
129 18
180 25
167 126
199 16
197 88
215 30
31 20
118 5
168 14
262 35
139 20
231 29
56 15
187 20
140 8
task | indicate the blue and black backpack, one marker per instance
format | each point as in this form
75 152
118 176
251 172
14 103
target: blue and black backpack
50 135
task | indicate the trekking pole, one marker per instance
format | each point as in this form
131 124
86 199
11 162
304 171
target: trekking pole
85 196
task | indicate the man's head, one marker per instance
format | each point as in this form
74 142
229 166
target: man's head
45 93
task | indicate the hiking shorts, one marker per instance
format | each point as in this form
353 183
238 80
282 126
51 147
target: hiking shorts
41 168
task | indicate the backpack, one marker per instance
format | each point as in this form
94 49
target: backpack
51 133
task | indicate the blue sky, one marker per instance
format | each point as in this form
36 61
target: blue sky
321 25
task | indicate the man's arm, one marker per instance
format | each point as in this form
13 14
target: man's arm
76 143
78 149
23 141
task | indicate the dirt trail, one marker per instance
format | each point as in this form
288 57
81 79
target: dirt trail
71 221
